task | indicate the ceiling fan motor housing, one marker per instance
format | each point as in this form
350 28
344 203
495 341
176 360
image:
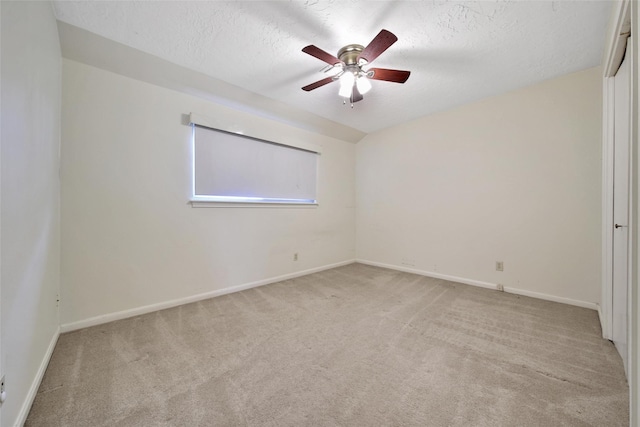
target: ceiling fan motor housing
349 54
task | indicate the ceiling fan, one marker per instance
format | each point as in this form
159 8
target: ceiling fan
348 67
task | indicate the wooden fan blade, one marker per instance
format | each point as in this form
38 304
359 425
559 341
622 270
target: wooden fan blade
321 55
396 76
379 44
356 95
317 84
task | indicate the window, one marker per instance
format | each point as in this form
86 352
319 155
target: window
234 168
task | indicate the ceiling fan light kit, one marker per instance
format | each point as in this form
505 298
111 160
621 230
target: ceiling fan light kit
363 84
347 80
348 69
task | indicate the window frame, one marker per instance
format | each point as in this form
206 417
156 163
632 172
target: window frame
238 201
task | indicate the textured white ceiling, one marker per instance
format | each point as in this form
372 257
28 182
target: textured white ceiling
457 52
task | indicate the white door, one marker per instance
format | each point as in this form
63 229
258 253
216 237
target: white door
621 208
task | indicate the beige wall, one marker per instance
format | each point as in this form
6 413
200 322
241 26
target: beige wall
130 239
513 178
30 224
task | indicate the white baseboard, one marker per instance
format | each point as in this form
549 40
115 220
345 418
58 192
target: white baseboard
33 390
110 317
547 297
466 281
602 322
486 285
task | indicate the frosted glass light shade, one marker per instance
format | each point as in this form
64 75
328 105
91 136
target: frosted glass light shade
346 84
363 84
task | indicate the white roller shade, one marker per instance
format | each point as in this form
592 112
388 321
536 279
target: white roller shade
231 167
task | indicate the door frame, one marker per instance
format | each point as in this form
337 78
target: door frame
615 50
624 21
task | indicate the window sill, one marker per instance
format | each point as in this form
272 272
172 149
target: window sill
196 203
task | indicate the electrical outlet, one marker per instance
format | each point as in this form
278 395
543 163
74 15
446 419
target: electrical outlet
500 287
499 266
295 256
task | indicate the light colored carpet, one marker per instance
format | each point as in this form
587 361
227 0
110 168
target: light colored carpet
351 346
